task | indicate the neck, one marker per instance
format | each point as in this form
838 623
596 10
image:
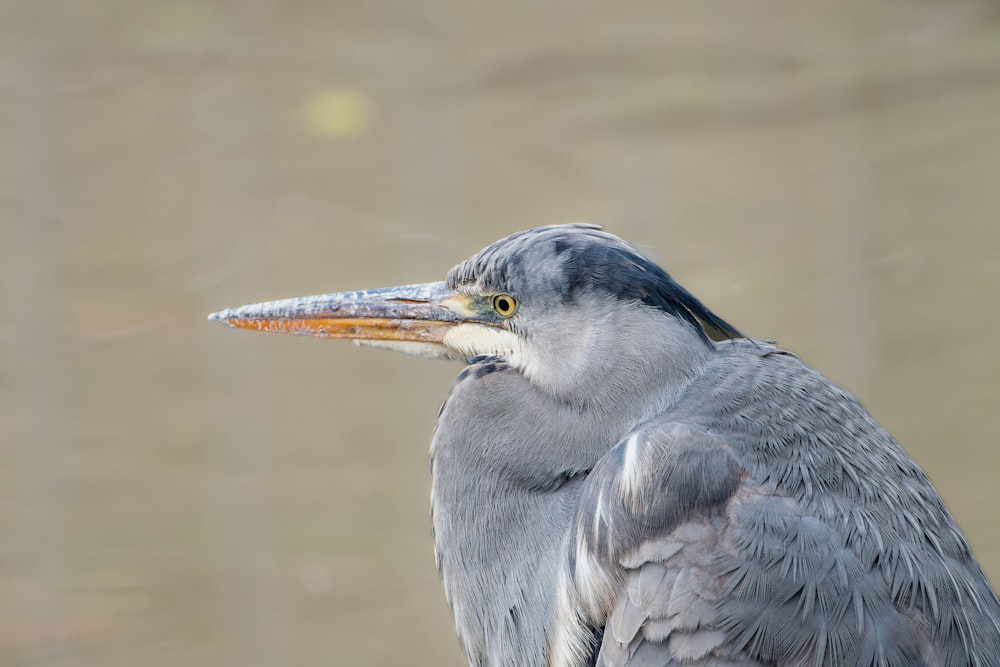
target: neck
631 374
498 522
502 502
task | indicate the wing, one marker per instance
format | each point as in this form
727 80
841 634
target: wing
684 560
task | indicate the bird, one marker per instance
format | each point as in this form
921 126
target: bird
620 477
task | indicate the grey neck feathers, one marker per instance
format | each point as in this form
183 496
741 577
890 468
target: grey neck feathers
505 486
618 353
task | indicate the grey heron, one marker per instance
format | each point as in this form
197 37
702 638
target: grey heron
619 477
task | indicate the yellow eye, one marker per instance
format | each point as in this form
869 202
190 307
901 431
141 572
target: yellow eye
504 304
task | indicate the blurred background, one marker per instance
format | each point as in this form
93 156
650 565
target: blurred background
176 493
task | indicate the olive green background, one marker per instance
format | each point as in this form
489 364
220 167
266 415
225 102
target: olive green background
175 493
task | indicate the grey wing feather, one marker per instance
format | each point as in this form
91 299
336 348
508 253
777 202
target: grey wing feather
768 519
707 568
795 594
651 515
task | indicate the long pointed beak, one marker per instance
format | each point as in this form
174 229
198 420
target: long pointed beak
411 318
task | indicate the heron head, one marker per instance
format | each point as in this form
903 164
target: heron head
578 304
564 304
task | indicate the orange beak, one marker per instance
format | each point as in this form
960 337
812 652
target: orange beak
408 314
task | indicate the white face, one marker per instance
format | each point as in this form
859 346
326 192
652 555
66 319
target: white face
462 342
471 340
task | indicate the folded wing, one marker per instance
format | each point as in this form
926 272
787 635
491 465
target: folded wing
683 559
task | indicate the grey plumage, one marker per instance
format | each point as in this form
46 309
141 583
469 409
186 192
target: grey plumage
611 486
832 548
